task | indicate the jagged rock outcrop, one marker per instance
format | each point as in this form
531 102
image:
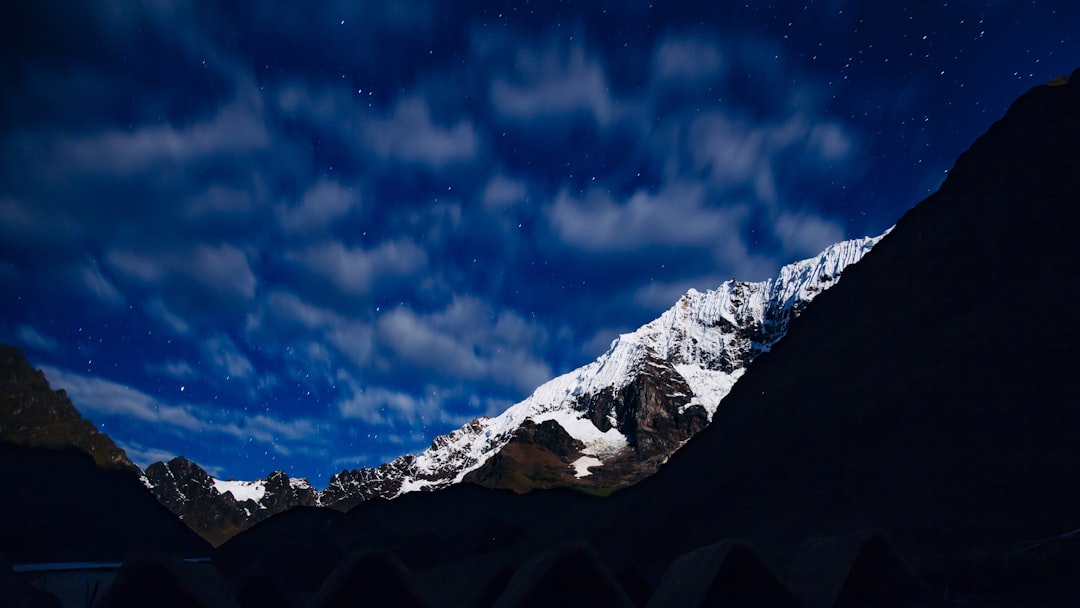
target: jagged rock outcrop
32 414
352 487
217 510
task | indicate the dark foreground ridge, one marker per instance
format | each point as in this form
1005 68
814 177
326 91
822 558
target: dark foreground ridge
927 397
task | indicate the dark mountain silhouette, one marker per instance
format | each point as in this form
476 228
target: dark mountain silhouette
928 395
33 414
59 506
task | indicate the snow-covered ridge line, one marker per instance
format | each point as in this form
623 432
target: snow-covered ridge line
709 337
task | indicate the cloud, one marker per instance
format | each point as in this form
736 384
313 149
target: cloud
285 316
95 395
804 234
410 135
101 397
383 406
501 191
223 353
353 270
222 269
468 340
178 370
99 286
687 59
677 217
145 456
738 152
156 308
236 129
427 343
32 338
554 82
323 203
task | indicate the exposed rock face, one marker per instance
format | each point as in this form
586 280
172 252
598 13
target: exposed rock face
350 488
654 410
33 414
535 456
218 510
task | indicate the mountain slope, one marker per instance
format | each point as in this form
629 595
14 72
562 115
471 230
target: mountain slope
614 421
32 414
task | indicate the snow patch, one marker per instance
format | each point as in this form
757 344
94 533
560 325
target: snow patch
581 466
242 490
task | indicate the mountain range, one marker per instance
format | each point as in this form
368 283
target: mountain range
929 395
603 426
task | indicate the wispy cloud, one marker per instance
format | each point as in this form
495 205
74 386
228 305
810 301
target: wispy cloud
145 456
687 58
468 340
236 129
410 135
554 81
322 204
32 338
224 354
104 398
353 270
223 268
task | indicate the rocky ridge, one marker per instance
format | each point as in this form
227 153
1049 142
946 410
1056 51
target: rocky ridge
217 510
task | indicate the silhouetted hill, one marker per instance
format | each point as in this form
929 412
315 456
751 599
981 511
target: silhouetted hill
58 506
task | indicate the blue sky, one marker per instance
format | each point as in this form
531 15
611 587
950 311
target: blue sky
276 236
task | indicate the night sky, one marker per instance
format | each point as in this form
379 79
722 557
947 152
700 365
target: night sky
313 236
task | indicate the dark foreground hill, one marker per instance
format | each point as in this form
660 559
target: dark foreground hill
58 506
929 395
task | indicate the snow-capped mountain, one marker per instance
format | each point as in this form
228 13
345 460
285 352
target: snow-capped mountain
218 509
614 421
602 426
